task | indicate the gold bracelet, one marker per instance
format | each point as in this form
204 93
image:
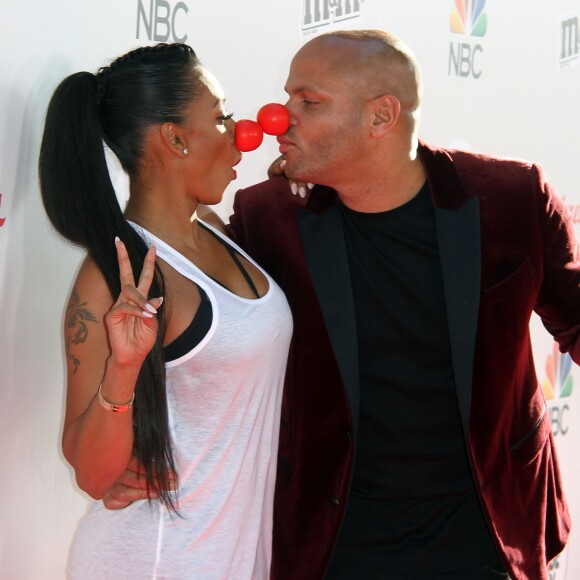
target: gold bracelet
112 406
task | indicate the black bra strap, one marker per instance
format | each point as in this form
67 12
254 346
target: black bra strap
234 254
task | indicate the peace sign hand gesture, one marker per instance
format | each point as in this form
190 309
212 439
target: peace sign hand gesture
131 322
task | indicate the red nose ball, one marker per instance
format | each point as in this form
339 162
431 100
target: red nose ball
248 135
274 118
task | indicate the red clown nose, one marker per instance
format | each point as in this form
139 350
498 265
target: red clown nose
273 119
248 135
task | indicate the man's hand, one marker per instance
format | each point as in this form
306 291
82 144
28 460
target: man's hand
296 187
130 487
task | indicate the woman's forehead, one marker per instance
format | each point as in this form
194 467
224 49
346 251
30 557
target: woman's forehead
213 86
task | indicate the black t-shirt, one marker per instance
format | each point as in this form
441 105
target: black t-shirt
413 507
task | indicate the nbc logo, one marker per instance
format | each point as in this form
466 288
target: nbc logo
558 567
160 22
468 19
558 386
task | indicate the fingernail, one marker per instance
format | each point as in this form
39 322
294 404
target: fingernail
294 188
302 191
310 185
160 301
117 239
146 314
282 163
151 308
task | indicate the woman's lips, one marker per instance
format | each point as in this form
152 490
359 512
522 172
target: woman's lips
235 163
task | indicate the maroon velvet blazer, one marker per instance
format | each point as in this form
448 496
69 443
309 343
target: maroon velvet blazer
507 247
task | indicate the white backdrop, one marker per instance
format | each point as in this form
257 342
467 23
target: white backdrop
502 78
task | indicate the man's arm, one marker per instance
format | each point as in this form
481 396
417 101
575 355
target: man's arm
558 303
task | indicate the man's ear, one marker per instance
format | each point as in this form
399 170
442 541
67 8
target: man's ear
171 136
387 109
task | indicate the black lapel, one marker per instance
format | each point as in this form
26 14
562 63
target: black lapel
458 233
325 251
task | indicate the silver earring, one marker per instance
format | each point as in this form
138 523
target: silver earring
185 151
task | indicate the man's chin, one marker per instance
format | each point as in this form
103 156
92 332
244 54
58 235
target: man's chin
295 174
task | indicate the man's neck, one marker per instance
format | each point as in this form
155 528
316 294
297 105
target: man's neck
384 190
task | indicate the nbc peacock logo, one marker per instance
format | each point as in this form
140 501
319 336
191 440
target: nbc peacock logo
468 18
557 388
558 382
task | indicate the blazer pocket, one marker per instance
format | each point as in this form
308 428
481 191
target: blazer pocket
528 447
519 278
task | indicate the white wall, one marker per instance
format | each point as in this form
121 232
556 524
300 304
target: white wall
508 91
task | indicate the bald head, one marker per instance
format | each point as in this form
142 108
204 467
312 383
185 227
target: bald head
374 61
354 100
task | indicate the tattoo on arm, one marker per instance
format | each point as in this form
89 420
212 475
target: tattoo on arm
76 323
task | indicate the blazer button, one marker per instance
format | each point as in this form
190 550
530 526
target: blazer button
335 502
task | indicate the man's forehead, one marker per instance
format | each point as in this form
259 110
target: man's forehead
318 58
314 79
337 47
325 64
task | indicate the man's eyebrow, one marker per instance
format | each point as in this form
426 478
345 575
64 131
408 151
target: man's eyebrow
303 89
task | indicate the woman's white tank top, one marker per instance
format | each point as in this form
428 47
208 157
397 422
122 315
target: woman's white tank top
224 399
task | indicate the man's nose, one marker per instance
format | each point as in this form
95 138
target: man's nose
293 119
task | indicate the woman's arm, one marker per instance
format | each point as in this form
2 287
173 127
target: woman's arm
106 343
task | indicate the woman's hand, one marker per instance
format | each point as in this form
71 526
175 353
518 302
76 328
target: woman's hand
296 187
132 486
131 322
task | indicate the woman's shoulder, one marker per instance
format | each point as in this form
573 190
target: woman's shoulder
90 286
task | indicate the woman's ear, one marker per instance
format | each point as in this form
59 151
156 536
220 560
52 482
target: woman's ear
171 137
387 109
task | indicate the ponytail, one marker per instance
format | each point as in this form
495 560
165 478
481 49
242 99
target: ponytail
148 85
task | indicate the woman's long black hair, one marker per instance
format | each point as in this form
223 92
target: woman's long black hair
147 86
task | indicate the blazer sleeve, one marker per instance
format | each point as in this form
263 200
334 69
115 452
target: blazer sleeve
235 227
558 303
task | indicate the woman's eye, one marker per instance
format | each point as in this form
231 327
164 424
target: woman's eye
310 103
225 117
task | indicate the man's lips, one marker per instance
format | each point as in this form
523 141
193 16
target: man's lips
285 144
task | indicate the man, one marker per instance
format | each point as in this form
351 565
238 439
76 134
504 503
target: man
415 441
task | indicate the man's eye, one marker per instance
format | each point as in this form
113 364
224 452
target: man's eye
309 102
225 117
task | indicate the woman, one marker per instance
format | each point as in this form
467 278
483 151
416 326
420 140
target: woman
176 341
